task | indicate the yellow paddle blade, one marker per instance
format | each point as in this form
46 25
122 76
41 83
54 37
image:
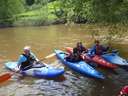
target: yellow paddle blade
5 77
49 56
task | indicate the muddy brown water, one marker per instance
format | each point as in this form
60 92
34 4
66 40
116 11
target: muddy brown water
43 40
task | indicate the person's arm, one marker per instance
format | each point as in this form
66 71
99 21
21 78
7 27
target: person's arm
19 61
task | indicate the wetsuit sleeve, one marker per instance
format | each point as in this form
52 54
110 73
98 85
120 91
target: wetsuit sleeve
21 59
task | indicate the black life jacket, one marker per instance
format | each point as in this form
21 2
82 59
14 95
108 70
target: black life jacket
28 62
78 51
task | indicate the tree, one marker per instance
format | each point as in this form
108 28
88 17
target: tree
110 10
30 2
95 10
8 8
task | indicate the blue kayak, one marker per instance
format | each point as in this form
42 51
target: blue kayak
80 67
38 71
115 59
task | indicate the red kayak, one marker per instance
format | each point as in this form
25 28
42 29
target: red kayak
124 91
96 59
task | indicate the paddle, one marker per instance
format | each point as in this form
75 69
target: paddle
49 56
6 76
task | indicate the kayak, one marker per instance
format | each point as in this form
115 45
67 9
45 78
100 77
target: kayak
38 71
95 59
80 67
115 59
124 91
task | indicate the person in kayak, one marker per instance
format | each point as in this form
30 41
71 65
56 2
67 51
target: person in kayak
79 49
27 59
98 49
82 49
77 52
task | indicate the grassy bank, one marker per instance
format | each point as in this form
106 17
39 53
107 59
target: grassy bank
37 17
44 15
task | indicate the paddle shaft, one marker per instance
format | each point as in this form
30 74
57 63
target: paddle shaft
49 56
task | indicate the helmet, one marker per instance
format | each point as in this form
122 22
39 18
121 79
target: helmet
27 48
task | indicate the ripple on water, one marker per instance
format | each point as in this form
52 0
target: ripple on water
72 86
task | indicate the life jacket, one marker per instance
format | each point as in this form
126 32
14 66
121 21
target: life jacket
76 52
28 62
82 48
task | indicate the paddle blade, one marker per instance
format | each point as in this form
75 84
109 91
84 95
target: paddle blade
49 56
5 77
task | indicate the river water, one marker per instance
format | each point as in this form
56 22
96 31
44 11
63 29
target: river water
43 40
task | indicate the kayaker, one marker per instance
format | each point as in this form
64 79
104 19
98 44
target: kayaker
77 51
98 49
27 59
82 48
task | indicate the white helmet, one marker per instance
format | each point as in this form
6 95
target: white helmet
27 48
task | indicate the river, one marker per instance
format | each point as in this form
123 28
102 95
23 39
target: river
43 40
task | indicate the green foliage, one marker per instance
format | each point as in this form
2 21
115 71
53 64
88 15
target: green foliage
95 10
78 11
34 4
30 2
110 10
8 8
107 10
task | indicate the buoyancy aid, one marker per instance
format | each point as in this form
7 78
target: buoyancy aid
29 61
